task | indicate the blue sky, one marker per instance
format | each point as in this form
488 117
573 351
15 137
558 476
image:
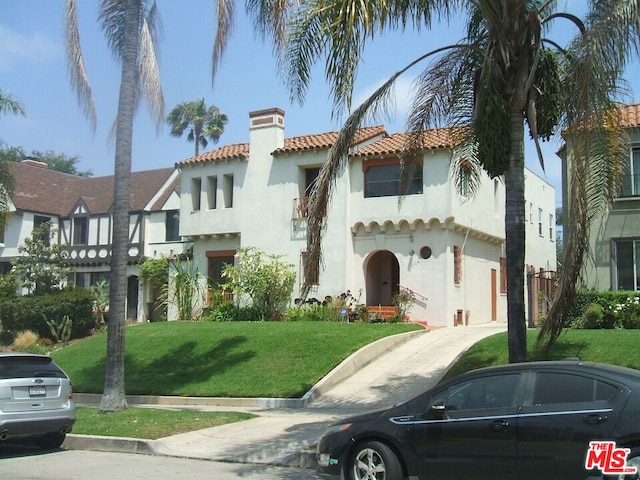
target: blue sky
33 70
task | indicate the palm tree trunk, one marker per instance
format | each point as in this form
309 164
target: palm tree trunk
113 397
515 241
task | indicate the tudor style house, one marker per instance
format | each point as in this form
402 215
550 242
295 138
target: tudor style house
615 237
447 253
79 210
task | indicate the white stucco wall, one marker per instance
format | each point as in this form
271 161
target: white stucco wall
265 187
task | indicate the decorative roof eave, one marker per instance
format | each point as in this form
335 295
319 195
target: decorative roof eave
402 225
236 151
429 140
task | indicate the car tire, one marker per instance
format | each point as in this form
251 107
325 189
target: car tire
633 460
374 460
50 441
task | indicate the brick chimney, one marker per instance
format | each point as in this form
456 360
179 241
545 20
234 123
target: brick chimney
266 131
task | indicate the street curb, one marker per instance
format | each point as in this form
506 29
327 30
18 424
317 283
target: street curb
107 444
305 459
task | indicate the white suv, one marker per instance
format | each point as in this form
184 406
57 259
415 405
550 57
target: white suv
35 399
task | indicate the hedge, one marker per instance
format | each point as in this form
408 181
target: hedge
31 312
620 309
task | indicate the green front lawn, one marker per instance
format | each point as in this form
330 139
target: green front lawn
226 359
619 347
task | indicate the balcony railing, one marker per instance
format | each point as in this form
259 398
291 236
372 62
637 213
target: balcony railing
99 254
301 208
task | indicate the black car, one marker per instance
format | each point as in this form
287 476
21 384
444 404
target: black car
541 420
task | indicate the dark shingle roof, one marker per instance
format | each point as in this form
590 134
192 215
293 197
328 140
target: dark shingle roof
39 189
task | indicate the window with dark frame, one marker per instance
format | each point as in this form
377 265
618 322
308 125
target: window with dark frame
384 180
38 221
80 230
216 261
172 226
631 178
627 264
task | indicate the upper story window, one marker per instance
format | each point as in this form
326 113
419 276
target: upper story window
227 190
172 226
196 191
631 178
80 230
382 179
38 221
540 222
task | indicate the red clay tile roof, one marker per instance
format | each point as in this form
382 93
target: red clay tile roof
228 152
41 190
396 143
631 115
294 144
326 140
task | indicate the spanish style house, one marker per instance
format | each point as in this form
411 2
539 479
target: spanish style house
448 254
615 237
79 210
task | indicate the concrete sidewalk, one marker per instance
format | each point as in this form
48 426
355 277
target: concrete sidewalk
384 373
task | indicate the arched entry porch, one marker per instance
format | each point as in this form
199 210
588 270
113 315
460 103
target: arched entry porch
382 274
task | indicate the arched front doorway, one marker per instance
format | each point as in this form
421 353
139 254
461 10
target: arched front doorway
382 273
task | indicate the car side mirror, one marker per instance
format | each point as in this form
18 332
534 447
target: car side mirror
437 410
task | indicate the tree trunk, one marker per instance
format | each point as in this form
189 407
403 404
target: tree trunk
515 241
113 397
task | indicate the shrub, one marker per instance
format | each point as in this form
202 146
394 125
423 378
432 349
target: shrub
228 312
591 318
314 312
620 309
32 312
266 279
8 285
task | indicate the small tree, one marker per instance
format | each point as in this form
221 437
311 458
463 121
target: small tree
42 265
100 295
266 279
185 290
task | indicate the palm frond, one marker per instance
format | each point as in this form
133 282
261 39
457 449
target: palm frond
335 163
225 23
11 105
75 64
149 75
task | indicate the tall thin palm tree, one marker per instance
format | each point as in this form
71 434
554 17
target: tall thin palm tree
203 123
505 73
130 29
8 104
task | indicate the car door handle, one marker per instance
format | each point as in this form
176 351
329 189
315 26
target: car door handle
595 419
499 425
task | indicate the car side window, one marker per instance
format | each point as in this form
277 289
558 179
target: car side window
554 388
498 391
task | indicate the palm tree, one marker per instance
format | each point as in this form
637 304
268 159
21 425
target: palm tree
7 105
130 31
504 74
201 121
11 105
